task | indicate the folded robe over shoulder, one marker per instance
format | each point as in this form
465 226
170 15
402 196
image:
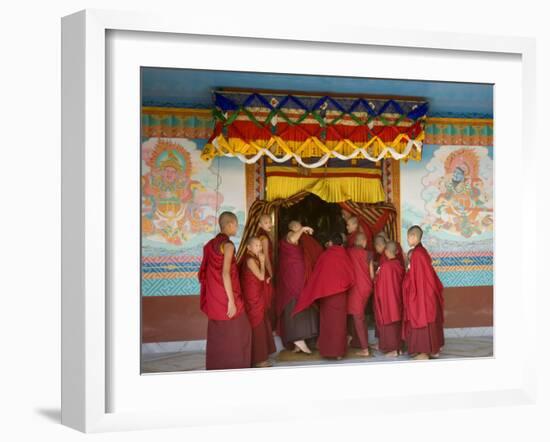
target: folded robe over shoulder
332 274
422 290
213 298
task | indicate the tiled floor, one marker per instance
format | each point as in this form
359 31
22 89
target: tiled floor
464 347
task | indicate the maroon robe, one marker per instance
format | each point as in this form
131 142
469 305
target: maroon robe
228 341
294 260
358 295
331 279
350 239
268 256
388 307
254 293
423 304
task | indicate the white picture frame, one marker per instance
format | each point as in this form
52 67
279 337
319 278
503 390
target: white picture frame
91 178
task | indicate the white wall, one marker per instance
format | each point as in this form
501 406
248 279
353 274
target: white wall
30 221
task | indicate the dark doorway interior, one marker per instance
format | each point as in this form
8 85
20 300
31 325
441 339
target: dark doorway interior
325 218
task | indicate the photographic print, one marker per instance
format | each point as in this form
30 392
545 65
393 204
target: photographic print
303 220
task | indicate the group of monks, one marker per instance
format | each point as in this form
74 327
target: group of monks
316 295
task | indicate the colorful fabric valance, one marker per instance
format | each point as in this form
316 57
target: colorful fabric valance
284 126
334 185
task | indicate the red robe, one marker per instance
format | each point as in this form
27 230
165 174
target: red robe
388 305
268 256
423 304
359 294
332 277
388 292
290 274
254 293
213 298
228 341
350 240
333 273
311 250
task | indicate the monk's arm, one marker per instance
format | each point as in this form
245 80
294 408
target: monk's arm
294 237
371 269
228 250
265 248
258 271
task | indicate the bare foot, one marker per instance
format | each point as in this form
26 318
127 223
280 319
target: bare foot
392 354
374 346
339 358
434 355
302 346
421 356
363 352
350 338
264 364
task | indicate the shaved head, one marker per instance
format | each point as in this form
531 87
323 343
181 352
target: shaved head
379 239
353 220
391 247
226 218
252 240
415 231
383 235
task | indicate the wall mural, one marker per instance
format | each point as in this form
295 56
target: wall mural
181 198
450 195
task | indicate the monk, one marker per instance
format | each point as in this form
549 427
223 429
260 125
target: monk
265 225
400 254
291 277
255 286
423 302
352 227
331 279
360 293
229 336
379 256
388 287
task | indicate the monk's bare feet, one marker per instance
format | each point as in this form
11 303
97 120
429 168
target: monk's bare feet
339 358
363 352
374 346
302 346
264 364
392 354
421 356
434 355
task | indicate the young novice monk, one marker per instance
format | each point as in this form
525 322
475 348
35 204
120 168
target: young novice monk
254 286
379 256
423 302
228 340
264 234
359 294
331 279
400 255
352 226
388 287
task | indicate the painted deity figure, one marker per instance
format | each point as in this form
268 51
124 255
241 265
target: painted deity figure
461 203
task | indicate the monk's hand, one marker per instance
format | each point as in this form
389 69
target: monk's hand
307 230
231 309
261 256
268 280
